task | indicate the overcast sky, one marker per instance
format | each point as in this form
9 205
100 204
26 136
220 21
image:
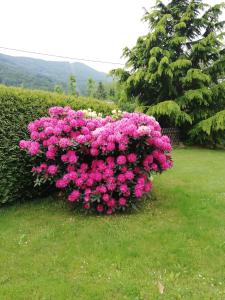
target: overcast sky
91 29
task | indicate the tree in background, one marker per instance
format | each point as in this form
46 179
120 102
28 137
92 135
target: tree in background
58 89
100 91
112 93
177 70
90 87
72 85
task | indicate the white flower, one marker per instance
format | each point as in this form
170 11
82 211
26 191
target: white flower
143 130
91 113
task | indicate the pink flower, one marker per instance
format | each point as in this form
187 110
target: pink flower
81 139
110 147
87 198
90 182
124 169
71 156
53 111
111 186
43 166
52 140
64 158
132 157
111 202
110 159
148 187
97 176
105 197
154 167
129 175
24 144
49 130
87 191
74 196
94 151
57 130
101 189
50 154
66 128
52 169
64 142
34 148
70 168
122 201
109 211
121 178
84 167
108 172
86 205
121 160
79 182
138 193
124 188
122 147
100 208
61 183
34 135
73 175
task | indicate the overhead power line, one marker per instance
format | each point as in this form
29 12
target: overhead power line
64 57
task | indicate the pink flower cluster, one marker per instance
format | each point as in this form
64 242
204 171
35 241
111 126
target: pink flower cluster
102 163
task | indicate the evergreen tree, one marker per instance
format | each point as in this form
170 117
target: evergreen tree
72 85
112 93
58 89
90 87
177 70
100 92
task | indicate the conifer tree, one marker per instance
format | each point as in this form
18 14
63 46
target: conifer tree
177 70
90 87
101 92
72 85
58 89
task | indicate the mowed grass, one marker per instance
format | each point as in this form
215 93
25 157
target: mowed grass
173 247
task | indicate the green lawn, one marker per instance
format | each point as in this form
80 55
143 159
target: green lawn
175 241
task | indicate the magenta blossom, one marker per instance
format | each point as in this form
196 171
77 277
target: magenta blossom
52 169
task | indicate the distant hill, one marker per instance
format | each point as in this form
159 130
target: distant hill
41 74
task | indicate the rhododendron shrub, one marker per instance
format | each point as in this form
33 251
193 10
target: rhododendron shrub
101 163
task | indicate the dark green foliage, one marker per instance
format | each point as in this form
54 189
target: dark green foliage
17 108
100 91
211 131
103 90
72 86
177 70
58 89
90 87
169 111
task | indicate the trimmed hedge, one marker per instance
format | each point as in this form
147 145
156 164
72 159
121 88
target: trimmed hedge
18 107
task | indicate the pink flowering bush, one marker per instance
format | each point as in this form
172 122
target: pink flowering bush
101 163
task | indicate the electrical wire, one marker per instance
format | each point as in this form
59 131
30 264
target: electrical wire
60 56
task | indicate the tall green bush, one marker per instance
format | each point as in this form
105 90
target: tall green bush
177 70
17 108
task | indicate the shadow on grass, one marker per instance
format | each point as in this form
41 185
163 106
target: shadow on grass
58 202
